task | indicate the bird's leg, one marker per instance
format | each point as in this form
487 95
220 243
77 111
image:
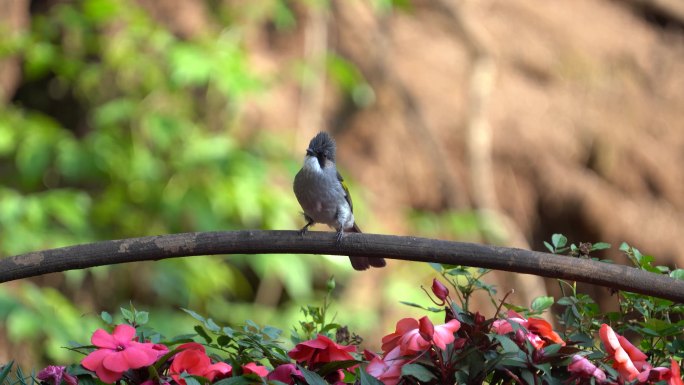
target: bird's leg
309 223
340 234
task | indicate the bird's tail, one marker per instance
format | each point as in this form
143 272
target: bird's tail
363 263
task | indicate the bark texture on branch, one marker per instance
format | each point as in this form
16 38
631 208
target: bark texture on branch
388 246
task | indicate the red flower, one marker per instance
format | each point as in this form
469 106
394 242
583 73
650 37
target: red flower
671 374
440 291
117 353
285 373
320 350
583 368
425 328
255 368
387 369
414 336
194 361
627 359
676 378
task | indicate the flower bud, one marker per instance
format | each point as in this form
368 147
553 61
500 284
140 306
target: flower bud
538 355
330 284
519 337
479 318
426 328
439 290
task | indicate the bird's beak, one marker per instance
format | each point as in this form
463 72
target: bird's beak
309 152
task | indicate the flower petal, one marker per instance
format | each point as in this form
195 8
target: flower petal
123 333
94 360
102 339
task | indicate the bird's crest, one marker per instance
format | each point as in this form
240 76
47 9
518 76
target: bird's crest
323 144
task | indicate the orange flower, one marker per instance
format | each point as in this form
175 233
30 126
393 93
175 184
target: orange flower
543 329
627 359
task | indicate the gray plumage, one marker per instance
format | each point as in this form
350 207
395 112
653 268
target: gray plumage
324 198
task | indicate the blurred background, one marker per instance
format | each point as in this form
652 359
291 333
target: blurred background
500 122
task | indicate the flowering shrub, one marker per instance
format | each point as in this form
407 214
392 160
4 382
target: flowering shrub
513 346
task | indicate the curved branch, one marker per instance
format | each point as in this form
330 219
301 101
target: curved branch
388 246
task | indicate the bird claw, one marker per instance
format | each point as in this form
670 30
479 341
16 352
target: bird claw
338 238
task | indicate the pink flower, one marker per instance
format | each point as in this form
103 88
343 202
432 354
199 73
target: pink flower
193 360
387 369
320 350
55 374
539 332
627 359
255 368
444 334
407 337
414 336
583 368
285 373
117 353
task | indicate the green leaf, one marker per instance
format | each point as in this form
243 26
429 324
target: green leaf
128 315
223 340
239 380
600 246
552 349
106 317
677 274
141 317
194 315
366 379
567 301
548 246
624 247
5 371
559 240
526 375
507 344
459 270
272 332
211 325
542 303
202 333
189 379
419 372
335 365
432 309
437 266
310 377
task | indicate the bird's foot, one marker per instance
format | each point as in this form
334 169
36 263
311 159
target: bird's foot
338 238
309 223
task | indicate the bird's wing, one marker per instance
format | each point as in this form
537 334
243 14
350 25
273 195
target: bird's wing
347 196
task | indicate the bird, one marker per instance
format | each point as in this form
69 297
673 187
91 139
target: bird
324 196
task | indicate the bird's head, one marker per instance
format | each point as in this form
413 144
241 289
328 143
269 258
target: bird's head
322 148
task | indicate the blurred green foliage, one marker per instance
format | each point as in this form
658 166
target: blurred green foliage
122 129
